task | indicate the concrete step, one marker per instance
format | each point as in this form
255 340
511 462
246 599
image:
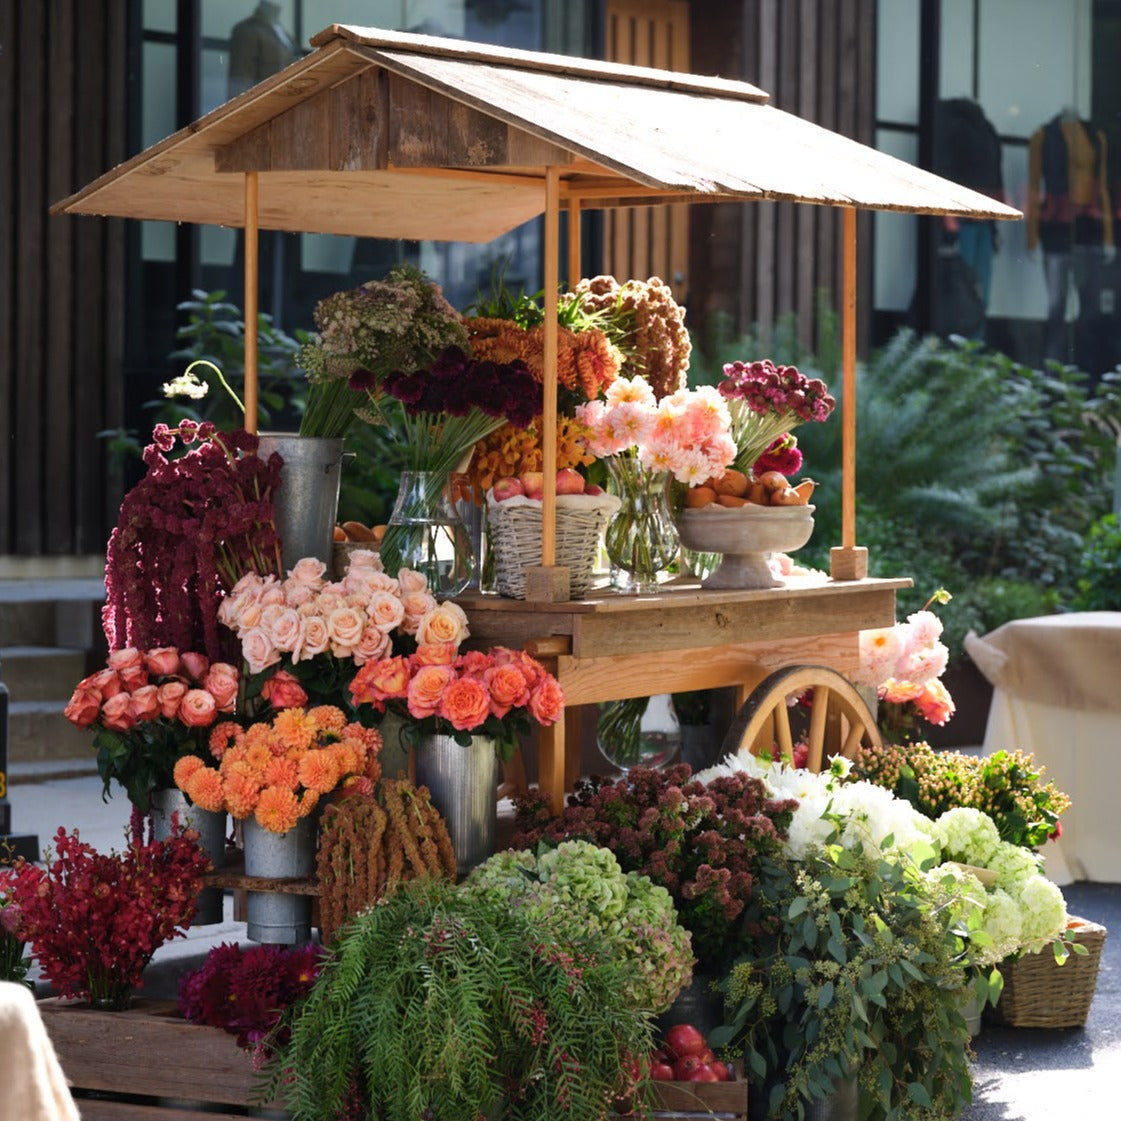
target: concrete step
42 673
52 613
37 731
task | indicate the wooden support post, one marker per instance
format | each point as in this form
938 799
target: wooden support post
848 562
548 582
573 242
251 281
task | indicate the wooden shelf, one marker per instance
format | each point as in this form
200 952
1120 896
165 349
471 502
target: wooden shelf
232 875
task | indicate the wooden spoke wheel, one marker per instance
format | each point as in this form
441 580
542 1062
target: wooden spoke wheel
833 721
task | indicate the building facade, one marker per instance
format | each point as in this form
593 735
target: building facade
1022 104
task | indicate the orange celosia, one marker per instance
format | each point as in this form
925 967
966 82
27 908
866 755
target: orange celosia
241 794
258 757
278 809
204 788
223 736
281 772
328 717
184 769
319 771
295 727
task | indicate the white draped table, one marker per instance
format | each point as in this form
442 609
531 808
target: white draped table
1057 694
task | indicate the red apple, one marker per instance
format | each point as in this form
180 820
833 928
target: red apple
569 481
684 1039
661 1072
723 1071
507 488
686 1067
593 488
533 483
703 1073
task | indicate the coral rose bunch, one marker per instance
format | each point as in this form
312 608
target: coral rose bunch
320 631
687 434
94 919
904 664
766 402
150 709
438 691
278 770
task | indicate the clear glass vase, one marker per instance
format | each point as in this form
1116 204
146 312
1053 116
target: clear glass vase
638 732
426 533
641 539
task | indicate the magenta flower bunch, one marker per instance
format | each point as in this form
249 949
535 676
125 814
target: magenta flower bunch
766 401
245 992
456 384
185 534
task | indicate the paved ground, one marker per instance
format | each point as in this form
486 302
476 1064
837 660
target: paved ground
1020 1074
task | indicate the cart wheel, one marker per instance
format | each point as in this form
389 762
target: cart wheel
836 723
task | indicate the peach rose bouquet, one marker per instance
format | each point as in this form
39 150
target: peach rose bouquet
314 633
150 709
437 690
278 770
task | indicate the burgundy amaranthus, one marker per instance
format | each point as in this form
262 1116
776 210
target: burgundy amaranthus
702 843
186 533
245 992
94 920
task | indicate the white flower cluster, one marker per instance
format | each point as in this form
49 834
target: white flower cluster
1021 911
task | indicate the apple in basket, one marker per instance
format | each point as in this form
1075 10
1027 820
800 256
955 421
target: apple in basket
507 488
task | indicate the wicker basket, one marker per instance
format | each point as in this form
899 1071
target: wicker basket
1038 993
515 538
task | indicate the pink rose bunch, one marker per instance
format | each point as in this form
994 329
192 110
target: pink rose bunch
438 690
904 663
147 709
687 434
306 617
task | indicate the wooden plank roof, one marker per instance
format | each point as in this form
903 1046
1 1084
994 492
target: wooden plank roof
389 134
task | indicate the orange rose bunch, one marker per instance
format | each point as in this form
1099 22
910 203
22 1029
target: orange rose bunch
278 770
496 693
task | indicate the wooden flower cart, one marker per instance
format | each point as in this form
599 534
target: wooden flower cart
384 134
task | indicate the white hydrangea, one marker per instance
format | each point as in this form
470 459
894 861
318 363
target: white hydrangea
1014 867
1043 912
1003 922
967 835
871 814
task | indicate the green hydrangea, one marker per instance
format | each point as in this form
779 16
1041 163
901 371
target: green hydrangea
578 891
967 835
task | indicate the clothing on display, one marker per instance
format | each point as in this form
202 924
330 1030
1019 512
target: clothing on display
1069 217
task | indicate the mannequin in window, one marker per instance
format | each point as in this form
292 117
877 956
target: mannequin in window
967 150
259 47
1069 218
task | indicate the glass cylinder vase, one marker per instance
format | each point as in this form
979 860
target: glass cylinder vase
641 539
638 732
427 534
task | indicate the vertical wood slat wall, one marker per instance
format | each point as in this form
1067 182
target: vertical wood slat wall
63 66
755 262
645 241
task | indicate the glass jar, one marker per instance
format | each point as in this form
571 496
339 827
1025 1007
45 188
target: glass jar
641 539
638 732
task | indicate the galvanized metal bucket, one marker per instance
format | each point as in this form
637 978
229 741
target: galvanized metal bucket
172 804
279 917
463 782
307 502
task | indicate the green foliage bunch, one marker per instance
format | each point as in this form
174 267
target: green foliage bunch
1006 785
578 888
859 973
439 1002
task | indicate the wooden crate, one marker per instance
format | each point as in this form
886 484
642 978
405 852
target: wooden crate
728 1100
149 1064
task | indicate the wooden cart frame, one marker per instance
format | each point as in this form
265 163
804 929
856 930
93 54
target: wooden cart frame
385 134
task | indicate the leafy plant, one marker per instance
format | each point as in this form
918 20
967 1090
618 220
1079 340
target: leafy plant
858 974
441 1002
1098 584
